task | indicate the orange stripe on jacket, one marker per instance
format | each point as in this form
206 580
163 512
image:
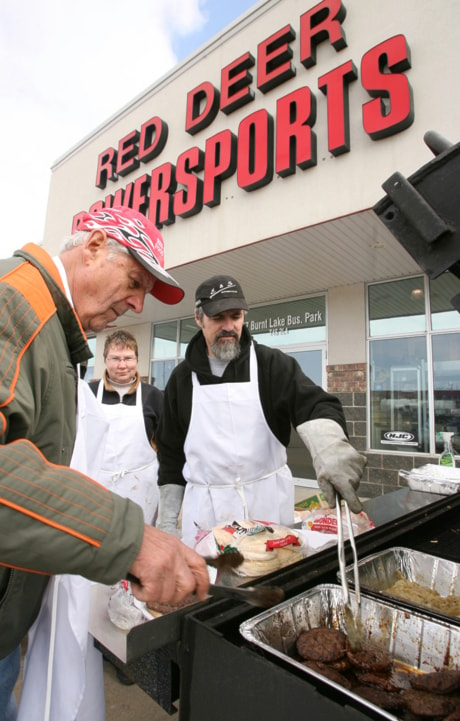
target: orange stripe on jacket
46 521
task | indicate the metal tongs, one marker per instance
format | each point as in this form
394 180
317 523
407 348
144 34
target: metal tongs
352 618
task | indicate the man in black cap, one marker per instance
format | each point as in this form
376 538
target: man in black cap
228 412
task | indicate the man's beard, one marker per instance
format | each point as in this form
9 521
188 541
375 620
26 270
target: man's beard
226 350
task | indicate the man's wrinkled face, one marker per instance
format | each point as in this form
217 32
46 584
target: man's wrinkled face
107 285
222 333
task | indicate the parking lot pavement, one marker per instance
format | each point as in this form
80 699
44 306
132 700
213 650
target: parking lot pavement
129 703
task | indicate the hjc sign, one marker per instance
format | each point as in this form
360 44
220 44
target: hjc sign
264 144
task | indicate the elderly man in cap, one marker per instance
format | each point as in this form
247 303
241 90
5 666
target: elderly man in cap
54 519
228 412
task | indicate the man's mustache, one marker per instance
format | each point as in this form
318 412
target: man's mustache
226 334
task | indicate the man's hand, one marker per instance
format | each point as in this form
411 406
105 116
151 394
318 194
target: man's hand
338 465
167 569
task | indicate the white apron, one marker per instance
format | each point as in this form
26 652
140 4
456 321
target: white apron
236 468
63 672
130 464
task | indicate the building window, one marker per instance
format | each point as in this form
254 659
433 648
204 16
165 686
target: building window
164 352
414 368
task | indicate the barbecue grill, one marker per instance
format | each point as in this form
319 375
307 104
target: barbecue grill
198 656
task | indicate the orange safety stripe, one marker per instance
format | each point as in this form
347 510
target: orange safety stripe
28 570
100 508
47 262
29 283
46 521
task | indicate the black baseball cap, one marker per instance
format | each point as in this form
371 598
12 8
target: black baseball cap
220 293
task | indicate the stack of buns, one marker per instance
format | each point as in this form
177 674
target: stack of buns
266 547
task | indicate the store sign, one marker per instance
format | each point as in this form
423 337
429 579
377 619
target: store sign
264 144
398 438
281 318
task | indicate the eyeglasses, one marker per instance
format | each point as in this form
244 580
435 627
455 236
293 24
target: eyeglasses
117 359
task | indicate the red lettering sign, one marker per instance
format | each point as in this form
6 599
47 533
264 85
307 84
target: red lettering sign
153 137
162 187
189 199
234 84
106 163
323 22
219 163
127 154
255 151
202 107
265 144
274 59
140 193
295 140
382 75
335 86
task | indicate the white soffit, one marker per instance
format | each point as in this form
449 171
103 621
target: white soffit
357 248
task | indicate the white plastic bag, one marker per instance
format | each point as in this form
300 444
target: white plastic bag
125 611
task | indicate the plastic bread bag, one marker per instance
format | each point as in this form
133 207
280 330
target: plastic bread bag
319 527
125 611
265 546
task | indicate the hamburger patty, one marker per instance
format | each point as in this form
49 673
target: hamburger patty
444 681
423 703
370 658
322 644
378 696
329 672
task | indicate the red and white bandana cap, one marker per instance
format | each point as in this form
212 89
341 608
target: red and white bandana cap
143 240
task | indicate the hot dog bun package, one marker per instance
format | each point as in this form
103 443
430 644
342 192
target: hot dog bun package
319 527
266 547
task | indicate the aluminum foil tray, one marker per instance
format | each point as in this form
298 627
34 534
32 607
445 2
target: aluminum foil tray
380 571
416 641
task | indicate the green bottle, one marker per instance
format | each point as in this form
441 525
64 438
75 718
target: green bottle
447 457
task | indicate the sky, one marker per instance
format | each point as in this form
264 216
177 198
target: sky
66 67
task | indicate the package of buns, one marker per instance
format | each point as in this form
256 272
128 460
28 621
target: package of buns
266 547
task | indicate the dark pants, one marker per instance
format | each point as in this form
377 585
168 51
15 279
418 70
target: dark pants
9 672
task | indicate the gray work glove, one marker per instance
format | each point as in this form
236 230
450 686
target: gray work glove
338 465
169 505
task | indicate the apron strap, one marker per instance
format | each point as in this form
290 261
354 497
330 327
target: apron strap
122 473
238 482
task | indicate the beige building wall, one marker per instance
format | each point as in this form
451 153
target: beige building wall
346 325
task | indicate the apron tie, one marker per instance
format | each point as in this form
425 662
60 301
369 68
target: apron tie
240 491
115 476
238 483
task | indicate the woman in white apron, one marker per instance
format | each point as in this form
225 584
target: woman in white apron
129 465
253 480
